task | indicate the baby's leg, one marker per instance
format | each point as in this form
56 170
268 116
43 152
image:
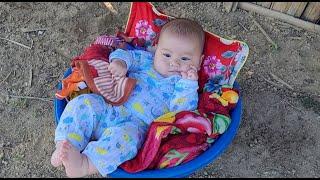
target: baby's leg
77 123
75 163
116 145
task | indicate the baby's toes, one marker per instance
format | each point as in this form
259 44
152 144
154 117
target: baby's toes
63 155
55 160
65 147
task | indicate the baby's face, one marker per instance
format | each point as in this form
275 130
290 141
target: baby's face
175 54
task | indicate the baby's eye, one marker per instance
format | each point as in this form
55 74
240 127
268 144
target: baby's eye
185 59
166 55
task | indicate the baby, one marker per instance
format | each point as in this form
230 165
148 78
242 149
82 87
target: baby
95 137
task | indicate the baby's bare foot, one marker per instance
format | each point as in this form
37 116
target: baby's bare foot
55 158
75 163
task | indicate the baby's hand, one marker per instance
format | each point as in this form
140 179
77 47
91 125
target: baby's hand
191 74
118 68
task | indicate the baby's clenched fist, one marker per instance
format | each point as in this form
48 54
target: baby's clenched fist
191 74
118 68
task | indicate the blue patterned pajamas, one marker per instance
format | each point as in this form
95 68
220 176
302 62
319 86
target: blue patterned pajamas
119 131
90 125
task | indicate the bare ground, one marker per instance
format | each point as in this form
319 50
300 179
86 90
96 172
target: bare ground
279 134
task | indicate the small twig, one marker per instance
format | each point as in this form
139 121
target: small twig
227 6
294 90
281 81
234 6
286 25
298 46
30 77
295 38
265 34
272 83
28 36
293 106
16 43
6 77
110 7
31 97
25 30
243 26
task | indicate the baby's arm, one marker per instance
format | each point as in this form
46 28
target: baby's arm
133 59
185 96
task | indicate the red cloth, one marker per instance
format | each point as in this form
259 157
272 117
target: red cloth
189 145
169 144
207 105
94 51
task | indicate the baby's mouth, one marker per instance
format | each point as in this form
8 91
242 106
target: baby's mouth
174 72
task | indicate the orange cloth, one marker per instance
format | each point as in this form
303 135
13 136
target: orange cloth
70 83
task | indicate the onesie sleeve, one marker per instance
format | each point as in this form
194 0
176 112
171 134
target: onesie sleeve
185 96
135 59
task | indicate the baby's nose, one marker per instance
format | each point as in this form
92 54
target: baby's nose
174 65
175 62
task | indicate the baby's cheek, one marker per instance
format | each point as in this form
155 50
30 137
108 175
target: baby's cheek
185 66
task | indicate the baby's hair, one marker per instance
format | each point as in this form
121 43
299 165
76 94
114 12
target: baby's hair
185 28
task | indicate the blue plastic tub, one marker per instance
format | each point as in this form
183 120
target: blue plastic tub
183 170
